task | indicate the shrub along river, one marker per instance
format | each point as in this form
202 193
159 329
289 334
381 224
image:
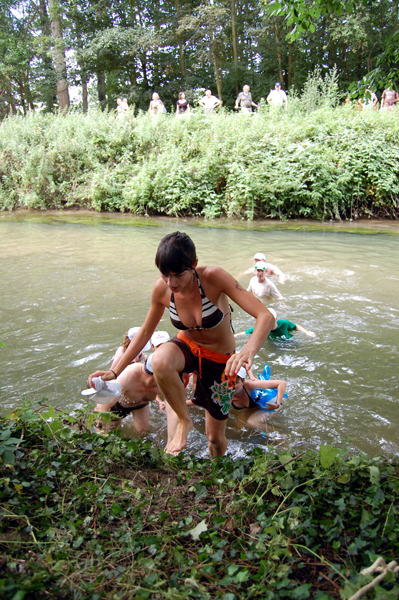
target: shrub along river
69 292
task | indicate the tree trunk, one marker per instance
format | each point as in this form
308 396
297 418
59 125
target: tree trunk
183 69
235 42
59 55
290 28
22 95
84 97
395 15
102 96
280 68
49 91
218 76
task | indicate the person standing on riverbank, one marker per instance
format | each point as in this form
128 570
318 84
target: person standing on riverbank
389 98
198 302
277 97
209 102
370 100
182 105
156 105
244 100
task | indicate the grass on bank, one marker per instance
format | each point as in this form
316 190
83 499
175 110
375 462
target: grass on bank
312 161
84 516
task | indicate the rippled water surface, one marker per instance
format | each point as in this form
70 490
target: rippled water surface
69 292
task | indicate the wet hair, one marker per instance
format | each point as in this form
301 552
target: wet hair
126 341
176 253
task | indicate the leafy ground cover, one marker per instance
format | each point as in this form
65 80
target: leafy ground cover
88 517
313 161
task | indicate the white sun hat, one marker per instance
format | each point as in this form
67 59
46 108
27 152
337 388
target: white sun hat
148 364
260 256
103 391
132 332
159 337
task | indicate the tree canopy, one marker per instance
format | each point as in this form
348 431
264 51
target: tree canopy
111 48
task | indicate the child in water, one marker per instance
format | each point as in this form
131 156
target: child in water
129 335
281 328
256 415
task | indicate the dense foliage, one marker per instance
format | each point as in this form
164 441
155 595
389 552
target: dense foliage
312 161
111 48
85 516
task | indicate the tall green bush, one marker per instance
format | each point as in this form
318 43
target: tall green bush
313 160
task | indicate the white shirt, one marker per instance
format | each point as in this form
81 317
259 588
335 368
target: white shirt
209 103
277 97
264 288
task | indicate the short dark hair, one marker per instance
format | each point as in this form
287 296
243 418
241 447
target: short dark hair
176 253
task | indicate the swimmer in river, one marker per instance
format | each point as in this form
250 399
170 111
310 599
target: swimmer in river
255 416
197 298
281 328
141 357
261 286
270 269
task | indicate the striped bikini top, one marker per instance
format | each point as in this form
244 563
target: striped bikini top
212 316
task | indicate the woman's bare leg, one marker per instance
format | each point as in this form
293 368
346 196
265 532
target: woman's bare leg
172 421
167 363
216 434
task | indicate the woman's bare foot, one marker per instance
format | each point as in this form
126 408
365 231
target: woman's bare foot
179 440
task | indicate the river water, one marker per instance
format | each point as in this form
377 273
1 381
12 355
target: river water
69 292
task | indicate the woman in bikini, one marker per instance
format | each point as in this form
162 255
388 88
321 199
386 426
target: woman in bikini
197 299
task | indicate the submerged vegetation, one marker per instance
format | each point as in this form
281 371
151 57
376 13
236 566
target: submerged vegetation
89 517
314 160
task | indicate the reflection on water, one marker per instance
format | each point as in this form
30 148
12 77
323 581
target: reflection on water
69 293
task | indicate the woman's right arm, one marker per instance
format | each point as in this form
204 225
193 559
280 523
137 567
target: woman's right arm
154 315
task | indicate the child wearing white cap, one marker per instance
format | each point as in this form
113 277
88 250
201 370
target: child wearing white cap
129 335
270 269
